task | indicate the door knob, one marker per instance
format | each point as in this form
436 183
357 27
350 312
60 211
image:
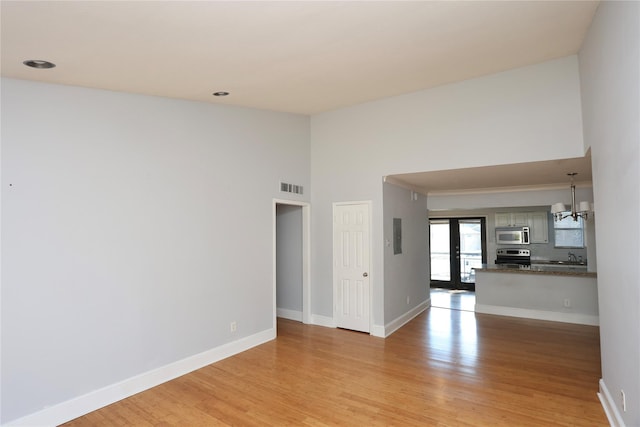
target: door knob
365 274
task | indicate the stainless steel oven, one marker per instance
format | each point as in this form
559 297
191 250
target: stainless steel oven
513 257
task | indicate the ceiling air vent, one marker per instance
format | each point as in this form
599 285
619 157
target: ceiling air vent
290 188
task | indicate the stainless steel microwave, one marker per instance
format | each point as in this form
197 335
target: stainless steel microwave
512 236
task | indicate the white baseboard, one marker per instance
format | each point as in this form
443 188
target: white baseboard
609 406
399 322
285 313
317 319
377 331
81 405
581 319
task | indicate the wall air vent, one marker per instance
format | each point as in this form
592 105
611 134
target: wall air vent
290 188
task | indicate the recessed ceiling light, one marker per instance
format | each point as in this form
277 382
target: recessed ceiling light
39 63
220 93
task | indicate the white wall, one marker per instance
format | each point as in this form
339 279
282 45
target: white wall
538 296
527 114
406 275
134 230
289 261
507 199
610 80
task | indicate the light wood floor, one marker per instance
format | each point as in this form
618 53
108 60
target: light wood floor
454 299
445 368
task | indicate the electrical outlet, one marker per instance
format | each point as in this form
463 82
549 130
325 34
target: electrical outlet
567 302
234 326
408 299
624 401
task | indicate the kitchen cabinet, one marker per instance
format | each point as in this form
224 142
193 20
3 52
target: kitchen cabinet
536 221
512 219
538 227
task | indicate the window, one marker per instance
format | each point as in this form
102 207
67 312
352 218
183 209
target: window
569 233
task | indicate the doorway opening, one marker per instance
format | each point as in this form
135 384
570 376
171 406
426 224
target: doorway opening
291 261
457 246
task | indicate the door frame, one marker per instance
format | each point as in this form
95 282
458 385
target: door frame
306 259
369 204
484 221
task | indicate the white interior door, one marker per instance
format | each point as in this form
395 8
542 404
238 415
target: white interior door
351 265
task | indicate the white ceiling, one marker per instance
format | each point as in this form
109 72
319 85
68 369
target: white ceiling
296 56
532 175
292 56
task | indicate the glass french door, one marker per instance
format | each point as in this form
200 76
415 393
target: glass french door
457 245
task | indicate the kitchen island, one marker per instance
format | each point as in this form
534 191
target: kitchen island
545 293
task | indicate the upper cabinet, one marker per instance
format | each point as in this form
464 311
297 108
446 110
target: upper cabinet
512 219
539 227
536 221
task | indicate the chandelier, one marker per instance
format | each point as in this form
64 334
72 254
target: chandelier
582 210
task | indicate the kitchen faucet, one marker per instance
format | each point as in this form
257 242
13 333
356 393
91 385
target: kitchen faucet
572 257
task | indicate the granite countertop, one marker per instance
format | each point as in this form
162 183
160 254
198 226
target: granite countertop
536 270
558 263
